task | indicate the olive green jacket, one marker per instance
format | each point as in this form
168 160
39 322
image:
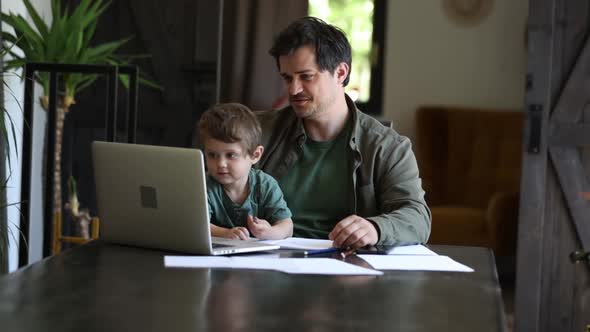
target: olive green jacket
387 187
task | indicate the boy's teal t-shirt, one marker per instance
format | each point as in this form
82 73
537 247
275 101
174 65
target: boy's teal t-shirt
265 201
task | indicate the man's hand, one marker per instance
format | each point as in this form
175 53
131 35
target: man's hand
237 233
354 232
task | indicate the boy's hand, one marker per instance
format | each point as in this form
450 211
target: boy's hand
259 227
237 233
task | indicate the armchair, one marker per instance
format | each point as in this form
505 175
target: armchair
470 162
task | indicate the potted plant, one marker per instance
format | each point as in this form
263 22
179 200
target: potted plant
3 155
7 137
67 40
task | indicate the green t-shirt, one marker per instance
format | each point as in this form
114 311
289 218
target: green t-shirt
318 188
265 201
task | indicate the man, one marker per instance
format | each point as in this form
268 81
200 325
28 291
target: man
345 176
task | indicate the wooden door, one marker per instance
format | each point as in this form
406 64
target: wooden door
553 273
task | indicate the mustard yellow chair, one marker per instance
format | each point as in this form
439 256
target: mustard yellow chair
470 163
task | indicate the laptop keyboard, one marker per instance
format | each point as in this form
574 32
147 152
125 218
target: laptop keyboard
219 245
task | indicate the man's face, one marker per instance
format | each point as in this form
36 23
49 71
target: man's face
311 92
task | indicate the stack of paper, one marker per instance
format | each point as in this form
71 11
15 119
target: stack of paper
317 244
288 265
409 258
415 263
414 258
417 249
301 243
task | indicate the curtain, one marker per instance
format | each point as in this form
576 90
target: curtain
249 74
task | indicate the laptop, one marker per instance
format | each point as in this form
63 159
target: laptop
156 197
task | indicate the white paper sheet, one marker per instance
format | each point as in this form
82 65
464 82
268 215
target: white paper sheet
301 243
417 249
318 244
326 266
267 255
415 263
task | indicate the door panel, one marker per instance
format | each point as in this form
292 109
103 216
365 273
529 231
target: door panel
552 288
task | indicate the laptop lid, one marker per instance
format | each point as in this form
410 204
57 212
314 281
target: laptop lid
155 196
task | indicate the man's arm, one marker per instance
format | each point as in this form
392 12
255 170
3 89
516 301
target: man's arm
405 218
402 214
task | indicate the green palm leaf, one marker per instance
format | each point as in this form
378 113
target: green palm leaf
39 23
55 9
85 82
15 63
94 12
150 83
6 138
102 52
88 34
22 28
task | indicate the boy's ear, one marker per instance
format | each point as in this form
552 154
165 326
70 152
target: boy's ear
257 154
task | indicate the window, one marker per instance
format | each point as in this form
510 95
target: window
363 21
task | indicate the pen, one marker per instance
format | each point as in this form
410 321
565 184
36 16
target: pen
320 251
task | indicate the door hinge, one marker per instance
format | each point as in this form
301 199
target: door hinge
535 113
529 82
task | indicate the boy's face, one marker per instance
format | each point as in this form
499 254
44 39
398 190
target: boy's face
229 163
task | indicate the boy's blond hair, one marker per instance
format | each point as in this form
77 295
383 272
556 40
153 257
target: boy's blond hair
231 123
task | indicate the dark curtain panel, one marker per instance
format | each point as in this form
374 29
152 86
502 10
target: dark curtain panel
248 73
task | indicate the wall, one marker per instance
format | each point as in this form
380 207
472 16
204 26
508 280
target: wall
431 60
13 95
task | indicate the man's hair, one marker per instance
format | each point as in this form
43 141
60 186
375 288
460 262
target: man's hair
231 123
330 43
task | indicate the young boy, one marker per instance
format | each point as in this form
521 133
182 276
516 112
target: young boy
242 200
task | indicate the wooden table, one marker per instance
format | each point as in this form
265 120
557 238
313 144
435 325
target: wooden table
103 287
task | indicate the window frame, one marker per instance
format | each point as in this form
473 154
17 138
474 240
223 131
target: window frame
374 105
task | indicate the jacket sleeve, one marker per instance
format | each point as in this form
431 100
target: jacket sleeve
404 217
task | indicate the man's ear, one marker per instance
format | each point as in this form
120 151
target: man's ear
342 72
257 154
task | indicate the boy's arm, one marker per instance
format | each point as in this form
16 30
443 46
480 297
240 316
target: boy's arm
217 231
282 229
263 230
240 233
